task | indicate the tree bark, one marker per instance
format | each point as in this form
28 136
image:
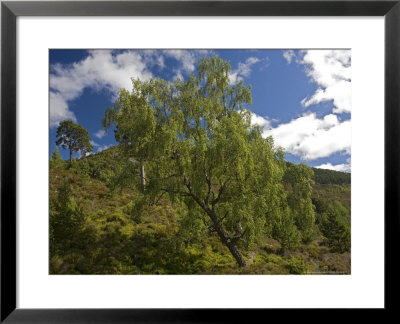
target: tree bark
236 254
231 245
70 155
142 174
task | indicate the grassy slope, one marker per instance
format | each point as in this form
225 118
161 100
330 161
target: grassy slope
119 240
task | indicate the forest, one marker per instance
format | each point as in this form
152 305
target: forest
192 188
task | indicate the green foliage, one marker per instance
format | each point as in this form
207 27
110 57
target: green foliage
199 143
296 265
324 176
166 238
285 230
299 178
335 227
134 118
138 207
113 167
66 224
56 159
332 192
78 168
321 206
215 194
73 137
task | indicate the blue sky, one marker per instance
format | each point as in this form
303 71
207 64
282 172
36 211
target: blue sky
301 98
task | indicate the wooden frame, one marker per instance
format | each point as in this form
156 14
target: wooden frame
10 10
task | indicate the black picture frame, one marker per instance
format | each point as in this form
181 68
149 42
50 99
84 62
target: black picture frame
10 10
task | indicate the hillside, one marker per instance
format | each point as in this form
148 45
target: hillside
100 223
324 176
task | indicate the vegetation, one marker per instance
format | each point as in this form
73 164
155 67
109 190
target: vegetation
323 176
73 137
335 227
193 187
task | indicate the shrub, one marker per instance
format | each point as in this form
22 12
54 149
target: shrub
296 265
56 159
336 230
286 232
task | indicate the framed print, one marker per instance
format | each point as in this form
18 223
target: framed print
156 218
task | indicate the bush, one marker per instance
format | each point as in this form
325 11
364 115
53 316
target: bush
67 221
56 159
336 230
286 232
296 265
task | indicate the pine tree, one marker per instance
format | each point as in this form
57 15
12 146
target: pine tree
56 159
67 222
335 229
73 137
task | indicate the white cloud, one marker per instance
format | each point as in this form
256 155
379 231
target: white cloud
331 71
289 55
99 147
310 137
263 122
339 92
178 75
59 110
100 133
244 70
100 70
338 167
153 57
108 70
187 60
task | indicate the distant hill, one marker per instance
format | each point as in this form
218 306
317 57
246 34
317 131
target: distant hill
324 176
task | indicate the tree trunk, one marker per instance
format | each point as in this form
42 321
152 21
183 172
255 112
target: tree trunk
142 174
236 254
228 243
70 155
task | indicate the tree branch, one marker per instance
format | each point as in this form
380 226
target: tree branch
220 192
186 194
222 218
211 227
208 184
159 198
236 238
196 199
